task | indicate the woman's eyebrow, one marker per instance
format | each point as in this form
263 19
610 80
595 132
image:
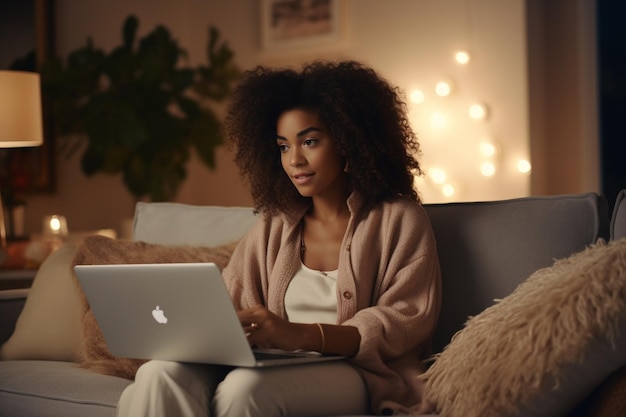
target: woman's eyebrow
302 132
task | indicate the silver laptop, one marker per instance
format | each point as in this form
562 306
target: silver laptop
177 312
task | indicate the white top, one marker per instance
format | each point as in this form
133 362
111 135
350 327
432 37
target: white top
311 296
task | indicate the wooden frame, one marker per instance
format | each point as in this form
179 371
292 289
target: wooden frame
32 169
302 25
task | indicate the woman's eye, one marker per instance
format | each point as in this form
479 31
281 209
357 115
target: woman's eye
310 142
282 147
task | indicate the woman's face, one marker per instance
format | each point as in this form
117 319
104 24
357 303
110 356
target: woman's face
309 155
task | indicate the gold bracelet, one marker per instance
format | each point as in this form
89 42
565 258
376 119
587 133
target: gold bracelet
323 338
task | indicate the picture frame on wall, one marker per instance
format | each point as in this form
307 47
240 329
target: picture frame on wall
27 36
300 25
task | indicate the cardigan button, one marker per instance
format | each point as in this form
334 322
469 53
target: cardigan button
347 295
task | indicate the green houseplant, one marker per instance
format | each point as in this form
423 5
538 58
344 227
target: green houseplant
138 109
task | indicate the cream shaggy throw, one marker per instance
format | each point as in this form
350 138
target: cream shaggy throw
502 359
94 250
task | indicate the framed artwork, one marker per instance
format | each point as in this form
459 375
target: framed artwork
302 24
27 36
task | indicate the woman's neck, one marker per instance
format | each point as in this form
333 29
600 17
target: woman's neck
330 207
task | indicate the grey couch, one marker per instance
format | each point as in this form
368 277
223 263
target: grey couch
486 250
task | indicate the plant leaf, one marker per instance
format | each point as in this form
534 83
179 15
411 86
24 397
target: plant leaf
139 108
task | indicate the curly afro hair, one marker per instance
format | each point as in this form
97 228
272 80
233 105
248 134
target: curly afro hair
364 114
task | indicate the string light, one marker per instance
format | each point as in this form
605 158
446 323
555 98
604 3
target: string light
448 190
437 175
462 57
443 88
488 169
478 111
524 166
463 149
417 96
488 149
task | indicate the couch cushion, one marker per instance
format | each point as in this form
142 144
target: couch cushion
618 220
542 349
49 325
50 388
486 249
183 224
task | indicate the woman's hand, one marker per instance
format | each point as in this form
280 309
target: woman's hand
267 330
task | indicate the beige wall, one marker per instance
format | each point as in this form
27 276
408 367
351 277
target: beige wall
408 41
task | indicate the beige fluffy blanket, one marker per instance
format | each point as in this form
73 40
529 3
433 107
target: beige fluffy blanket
95 250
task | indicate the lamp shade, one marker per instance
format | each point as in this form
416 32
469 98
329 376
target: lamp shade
20 109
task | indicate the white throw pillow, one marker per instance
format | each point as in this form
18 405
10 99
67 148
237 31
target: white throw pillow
49 326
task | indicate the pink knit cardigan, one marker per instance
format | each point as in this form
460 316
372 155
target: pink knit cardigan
388 286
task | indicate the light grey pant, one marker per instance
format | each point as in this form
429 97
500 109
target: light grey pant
184 390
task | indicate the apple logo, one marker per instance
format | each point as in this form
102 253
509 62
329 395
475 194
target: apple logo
159 316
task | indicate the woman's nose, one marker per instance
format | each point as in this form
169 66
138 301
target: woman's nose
296 159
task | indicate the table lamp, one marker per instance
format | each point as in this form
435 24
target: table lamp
21 122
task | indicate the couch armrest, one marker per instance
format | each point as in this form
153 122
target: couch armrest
11 304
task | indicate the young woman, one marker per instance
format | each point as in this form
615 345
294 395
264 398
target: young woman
342 259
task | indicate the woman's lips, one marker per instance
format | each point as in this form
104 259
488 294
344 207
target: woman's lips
302 178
